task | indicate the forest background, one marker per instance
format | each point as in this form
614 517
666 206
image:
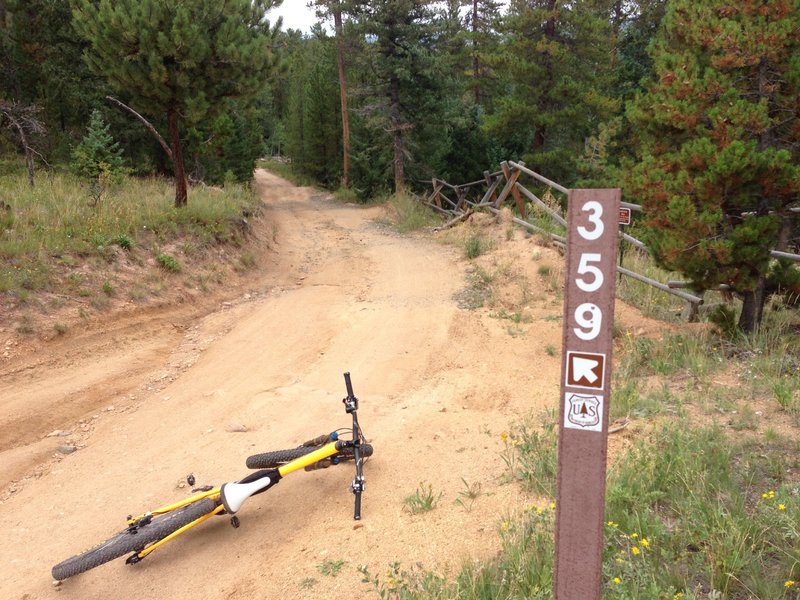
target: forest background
692 110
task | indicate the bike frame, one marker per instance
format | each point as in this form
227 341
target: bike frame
260 481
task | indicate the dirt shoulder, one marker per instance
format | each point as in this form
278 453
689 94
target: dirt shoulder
108 421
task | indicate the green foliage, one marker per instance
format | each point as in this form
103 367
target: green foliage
313 122
226 147
718 143
169 263
556 62
531 457
178 60
474 247
691 513
330 567
422 500
42 66
410 214
54 229
470 493
98 155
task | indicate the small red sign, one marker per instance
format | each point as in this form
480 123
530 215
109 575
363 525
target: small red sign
624 216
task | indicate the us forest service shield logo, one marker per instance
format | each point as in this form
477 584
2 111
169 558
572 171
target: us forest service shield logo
583 412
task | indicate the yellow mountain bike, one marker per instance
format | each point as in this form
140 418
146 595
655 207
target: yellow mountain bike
151 530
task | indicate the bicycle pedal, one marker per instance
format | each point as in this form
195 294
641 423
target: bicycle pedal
235 522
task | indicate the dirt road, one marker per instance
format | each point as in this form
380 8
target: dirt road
154 395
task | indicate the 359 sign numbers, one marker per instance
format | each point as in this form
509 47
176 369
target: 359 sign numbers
588 316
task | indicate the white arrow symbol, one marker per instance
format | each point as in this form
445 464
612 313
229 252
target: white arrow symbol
583 368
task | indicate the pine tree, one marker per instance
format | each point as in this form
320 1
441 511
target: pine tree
313 117
482 36
337 9
178 58
719 132
407 76
98 153
555 57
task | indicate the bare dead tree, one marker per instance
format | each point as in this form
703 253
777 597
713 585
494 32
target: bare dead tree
22 121
145 122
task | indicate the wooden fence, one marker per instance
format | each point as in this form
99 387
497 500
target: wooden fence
489 193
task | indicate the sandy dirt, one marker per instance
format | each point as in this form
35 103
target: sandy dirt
146 397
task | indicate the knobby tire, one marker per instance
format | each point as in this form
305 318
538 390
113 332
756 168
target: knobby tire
125 541
270 460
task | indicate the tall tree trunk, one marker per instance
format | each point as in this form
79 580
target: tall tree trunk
397 133
181 193
337 20
476 63
753 301
549 27
753 306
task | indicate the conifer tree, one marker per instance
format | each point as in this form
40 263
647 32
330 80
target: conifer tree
719 133
407 76
178 58
482 40
98 153
556 57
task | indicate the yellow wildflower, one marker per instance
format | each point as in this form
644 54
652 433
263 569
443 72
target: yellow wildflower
504 436
781 507
634 535
645 542
617 580
678 596
789 584
552 506
635 550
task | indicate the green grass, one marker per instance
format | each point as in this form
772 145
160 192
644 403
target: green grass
169 263
409 214
470 493
474 246
651 301
423 499
690 512
695 508
55 227
330 567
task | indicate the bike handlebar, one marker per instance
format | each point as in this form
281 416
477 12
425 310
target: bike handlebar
351 406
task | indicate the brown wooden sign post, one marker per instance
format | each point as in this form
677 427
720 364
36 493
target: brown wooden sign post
592 242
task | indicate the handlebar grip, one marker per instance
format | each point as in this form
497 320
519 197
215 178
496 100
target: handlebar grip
357 513
348 384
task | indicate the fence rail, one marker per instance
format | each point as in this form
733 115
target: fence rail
484 195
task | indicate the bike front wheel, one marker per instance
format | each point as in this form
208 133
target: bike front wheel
271 460
134 541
